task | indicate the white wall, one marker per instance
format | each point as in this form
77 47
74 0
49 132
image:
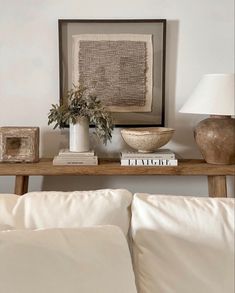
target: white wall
200 39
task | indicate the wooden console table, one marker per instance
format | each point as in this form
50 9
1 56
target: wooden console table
216 174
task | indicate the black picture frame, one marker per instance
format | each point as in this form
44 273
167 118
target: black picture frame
156 27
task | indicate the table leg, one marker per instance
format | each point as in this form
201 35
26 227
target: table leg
21 184
217 186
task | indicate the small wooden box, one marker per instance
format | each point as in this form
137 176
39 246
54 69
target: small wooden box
19 144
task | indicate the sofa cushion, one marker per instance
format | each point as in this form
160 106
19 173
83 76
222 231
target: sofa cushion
74 209
82 260
183 244
7 203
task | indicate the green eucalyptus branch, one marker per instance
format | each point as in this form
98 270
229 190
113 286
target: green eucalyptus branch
82 104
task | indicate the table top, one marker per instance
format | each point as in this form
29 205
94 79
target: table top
113 167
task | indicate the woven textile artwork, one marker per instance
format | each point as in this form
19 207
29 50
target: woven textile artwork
118 67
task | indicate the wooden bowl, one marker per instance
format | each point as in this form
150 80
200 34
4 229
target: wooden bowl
147 139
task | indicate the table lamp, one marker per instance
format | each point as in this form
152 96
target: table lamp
215 136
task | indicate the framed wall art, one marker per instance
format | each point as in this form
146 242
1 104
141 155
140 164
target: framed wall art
121 61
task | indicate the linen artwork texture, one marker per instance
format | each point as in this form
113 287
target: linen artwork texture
118 67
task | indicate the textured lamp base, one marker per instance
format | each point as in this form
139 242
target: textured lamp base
215 137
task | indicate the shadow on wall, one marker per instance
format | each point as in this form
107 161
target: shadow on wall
150 184
51 141
186 125
172 36
183 139
170 91
70 183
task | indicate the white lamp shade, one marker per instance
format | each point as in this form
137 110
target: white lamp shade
214 95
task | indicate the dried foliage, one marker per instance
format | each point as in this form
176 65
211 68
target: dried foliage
82 104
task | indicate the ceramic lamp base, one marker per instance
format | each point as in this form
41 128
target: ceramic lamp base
215 137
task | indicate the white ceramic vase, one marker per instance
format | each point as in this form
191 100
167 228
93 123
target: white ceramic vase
79 136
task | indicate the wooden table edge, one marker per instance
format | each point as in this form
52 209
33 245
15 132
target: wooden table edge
190 167
216 174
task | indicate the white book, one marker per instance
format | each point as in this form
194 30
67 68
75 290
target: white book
75 161
59 158
147 162
160 154
67 153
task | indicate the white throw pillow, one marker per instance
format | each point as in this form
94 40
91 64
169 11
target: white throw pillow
36 210
183 244
82 260
7 203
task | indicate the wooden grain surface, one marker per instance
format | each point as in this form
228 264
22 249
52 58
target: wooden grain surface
217 186
21 184
112 167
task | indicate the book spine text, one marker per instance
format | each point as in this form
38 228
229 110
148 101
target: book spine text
148 162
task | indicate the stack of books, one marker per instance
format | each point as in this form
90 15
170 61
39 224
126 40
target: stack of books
65 157
162 157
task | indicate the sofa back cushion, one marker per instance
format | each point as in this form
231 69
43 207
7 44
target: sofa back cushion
36 210
183 244
82 260
7 204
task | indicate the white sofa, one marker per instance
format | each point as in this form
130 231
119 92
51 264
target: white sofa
78 242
